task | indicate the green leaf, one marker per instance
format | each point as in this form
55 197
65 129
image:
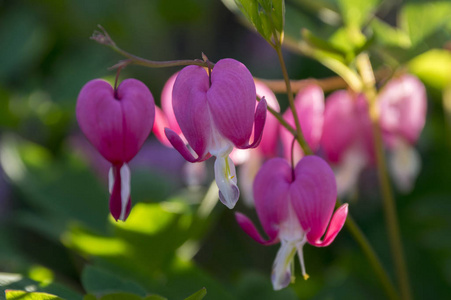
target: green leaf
122 296
267 16
9 281
98 281
22 295
433 68
421 20
199 295
390 36
356 12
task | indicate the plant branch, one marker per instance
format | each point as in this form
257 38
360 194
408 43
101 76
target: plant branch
105 39
365 69
299 136
372 257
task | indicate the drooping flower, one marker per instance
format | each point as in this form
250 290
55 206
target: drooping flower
347 138
116 122
193 174
217 113
277 140
294 207
309 103
348 141
402 104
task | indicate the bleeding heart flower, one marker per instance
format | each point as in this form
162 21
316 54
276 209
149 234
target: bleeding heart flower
217 113
116 122
294 207
403 104
347 138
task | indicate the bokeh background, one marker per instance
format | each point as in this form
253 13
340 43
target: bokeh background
55 231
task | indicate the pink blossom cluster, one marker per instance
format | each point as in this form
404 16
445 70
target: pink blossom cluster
222 112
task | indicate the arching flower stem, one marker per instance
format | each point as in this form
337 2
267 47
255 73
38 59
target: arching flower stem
104 38
371 255
393 232
299 136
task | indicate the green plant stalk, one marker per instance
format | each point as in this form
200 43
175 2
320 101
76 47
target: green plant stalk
299 136
393 232
372 257
105 39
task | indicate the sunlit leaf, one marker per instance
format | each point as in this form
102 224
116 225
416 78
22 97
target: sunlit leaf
17 282
433 67
267 16
22 295
356 12
388 35
90 243
199 295
420 20
100 282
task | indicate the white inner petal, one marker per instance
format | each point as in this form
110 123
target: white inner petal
281 272
348 171
110 180
292 238
405 164
225 176
125 189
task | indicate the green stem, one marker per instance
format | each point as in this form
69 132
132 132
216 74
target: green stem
281 120
105 39
299 136
391 219
372 257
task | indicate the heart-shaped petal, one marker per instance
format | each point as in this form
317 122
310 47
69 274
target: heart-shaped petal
117 124
313 195
231 99
189 100
271 187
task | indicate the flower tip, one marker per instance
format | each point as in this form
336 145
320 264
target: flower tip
306 276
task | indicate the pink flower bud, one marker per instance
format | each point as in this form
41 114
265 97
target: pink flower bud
117 123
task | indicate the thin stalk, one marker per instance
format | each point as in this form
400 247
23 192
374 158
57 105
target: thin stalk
326 84
105 39
391 219
372 257
281 120
299 136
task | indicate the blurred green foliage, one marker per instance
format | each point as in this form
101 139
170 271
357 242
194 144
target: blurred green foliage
55 234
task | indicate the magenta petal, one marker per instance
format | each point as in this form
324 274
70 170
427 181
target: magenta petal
116 127
189 99
138 114
166 103
259 125
271 188
268 143
180 146
403 107
313 195
346 124
250 229
335 225
309 104
231 99
160 124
